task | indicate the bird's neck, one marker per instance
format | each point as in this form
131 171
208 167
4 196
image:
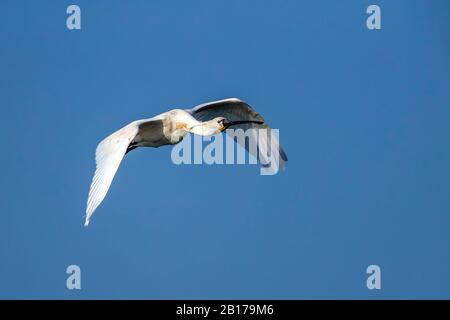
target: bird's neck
188 123
204 128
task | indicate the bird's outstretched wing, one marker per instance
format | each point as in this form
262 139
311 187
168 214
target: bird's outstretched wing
108 156
236 110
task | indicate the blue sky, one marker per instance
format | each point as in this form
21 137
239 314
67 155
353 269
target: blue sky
363 116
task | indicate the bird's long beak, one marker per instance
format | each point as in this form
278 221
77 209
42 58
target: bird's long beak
227 123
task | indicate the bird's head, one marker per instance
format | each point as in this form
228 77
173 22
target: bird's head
221 123
224 123
217 125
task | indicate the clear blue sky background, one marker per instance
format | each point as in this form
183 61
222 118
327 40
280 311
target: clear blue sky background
363 116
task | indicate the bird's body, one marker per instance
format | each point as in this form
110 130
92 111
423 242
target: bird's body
168 128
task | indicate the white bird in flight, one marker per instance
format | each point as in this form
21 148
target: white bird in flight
169 128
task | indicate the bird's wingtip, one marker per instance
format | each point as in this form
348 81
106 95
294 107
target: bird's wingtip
86 223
